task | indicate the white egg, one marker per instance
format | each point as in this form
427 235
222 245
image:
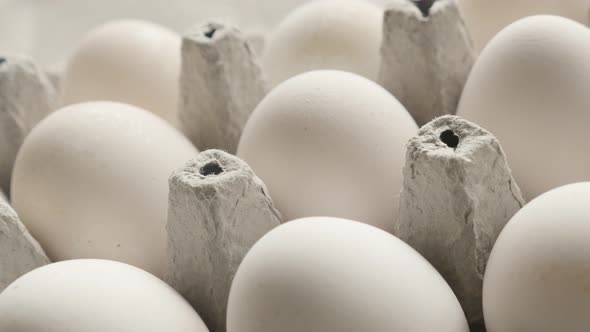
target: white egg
326 34
485 18
91 181
129 61
94 296
330 143
529 87
538 274
334 275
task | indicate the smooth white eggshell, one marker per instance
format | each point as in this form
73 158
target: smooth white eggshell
325 274
130 61
538 274
529 87
330 143
326 34
94 296
91 181
485 18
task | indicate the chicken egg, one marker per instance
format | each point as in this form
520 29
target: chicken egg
326 34
529 88
330 143
538 274
91 181
325 274
130 61
94 296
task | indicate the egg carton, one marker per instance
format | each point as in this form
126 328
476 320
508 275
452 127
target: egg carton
221 82
426 58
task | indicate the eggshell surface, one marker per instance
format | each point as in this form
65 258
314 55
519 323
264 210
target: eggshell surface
94 296
485 18
334 275
330 143
326 34
91 181
130 61
529 88
537 277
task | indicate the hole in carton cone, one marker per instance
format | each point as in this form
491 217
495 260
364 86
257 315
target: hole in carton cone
210 32
211 168
424 6
449 138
